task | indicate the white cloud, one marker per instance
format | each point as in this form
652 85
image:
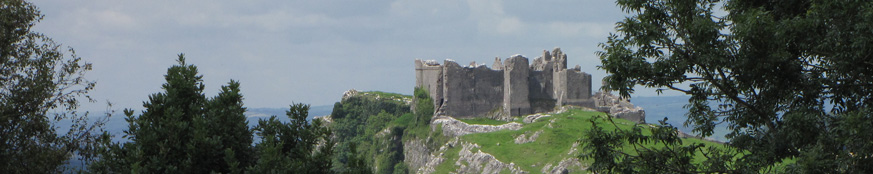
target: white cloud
282 20
509 25
310 51
109 18
491 18
577 29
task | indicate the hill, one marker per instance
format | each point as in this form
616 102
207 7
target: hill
538 143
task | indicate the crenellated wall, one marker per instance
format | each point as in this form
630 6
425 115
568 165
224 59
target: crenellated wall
513 87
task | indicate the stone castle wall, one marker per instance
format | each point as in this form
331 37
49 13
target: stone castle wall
469 90
513 87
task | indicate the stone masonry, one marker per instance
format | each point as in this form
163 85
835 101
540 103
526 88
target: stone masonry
512 87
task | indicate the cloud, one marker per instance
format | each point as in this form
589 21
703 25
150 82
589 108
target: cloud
491 18
311 51
115 19
579 29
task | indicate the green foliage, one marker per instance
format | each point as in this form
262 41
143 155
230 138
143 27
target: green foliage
361 120
623 150
183 131
357 162
295 147
788 77
378 123
423 107
401 168
41 85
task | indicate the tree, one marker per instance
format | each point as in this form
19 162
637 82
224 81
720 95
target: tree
423 107
298 146
357 120
181 131
40 84
793 80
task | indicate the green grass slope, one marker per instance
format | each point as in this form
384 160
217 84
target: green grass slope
554 144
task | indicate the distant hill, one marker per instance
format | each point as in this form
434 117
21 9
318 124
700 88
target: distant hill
116 124
314 111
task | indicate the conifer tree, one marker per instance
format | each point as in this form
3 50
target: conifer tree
298 146
181 131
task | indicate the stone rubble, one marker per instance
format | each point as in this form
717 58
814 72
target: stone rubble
618 107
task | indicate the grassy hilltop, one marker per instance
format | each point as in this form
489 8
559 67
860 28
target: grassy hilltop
383 133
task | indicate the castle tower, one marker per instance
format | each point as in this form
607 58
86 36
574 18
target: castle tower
428 76
515 86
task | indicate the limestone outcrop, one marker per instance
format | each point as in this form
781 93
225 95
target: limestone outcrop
528 137
534 117
471 161
512 87
618 107
416 154
454 128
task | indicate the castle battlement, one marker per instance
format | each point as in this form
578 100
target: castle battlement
511 87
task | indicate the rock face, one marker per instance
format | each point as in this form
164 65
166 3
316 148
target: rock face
454 128
563 167
513 87
524 138
479 162
534 117
350 93
415 153
619 108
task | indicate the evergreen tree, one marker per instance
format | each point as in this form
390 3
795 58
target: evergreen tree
181 131
299 146
791 79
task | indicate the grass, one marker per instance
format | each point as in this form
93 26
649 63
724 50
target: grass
394 97
386 94
552 145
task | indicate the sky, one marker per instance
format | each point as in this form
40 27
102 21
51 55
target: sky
306 51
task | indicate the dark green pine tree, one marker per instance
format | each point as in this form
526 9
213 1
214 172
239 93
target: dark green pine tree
161 134
222 138
181 131
299 146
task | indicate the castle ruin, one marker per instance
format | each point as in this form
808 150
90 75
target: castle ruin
523 87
